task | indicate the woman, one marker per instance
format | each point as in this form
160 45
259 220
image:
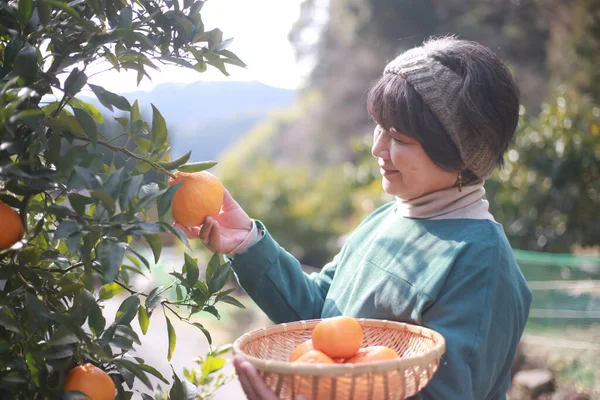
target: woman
445 113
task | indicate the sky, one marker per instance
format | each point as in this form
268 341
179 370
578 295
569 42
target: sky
260 38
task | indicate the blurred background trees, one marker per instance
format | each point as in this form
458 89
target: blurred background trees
548 195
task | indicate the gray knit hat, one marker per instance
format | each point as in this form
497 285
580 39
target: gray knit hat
439 87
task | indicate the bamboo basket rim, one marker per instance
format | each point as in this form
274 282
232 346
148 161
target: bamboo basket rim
288 368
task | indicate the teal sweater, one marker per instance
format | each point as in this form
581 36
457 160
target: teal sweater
456 276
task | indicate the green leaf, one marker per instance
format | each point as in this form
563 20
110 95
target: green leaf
114 183
129 191
153 371
25 8
232 301
221 350
66 229
9 323
10 200
184 26
135 114
172 338
165 200
62 336
125 17
110 290
127 333
204 330
63 6
79 202
177 232
224 44
232 58
136 370
170 165
127 310
215 37
93 111
177 390
109 99
141 257
106 199
159 129
219 278
96 320
154 298
26 64
143 319
75 82
210 365
88 125
90 180
43 12
155 244
59 352
197 166
110 254
212 310
191 267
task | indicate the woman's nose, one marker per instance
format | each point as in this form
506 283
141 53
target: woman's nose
380 144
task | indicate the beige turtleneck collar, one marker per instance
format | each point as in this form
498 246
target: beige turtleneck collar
448 204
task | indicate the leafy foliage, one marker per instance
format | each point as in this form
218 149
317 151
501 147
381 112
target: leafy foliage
548 193
84 194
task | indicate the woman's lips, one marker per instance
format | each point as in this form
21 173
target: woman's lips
386 172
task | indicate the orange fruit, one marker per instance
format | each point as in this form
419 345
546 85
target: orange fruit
372 353
315 357
92 381
12 227
338 337
305 384
199 196
301 349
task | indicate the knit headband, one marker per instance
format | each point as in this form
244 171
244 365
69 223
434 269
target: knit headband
439 87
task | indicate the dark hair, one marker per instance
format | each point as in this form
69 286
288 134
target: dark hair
488 99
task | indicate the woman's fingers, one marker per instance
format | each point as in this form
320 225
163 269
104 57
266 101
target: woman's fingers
210 235
258 385
243 377
229 202
214 237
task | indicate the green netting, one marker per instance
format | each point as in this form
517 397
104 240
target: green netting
563 330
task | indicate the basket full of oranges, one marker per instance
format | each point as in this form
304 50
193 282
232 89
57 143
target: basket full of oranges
343 358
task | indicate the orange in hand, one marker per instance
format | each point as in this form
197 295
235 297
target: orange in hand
199 196
92 381
301 349
338 337
372 353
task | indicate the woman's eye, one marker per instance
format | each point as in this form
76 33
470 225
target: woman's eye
400 141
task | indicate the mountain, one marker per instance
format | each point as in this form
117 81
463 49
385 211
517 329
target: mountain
208 117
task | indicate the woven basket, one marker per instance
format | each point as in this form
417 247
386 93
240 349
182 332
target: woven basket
419 348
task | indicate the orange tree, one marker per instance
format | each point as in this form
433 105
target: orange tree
82 185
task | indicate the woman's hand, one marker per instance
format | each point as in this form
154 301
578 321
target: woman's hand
253 384
226 231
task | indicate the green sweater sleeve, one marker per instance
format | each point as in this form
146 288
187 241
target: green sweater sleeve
274 279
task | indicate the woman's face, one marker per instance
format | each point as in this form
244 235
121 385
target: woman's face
406 169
